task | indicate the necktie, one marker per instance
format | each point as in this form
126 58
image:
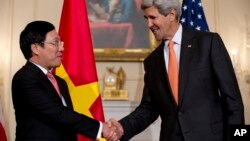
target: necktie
173 71
54 83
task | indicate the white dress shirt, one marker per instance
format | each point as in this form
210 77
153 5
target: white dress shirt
177 47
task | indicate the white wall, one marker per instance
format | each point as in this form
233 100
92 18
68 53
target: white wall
229 18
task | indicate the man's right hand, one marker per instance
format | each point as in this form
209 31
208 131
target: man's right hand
119 129
109 132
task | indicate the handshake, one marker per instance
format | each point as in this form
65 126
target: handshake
112 130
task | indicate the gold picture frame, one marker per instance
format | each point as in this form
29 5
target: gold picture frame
117 40
121 55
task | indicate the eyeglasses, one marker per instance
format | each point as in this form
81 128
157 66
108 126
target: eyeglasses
57 43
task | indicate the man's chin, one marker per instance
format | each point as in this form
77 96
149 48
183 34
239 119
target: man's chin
57 65
158 39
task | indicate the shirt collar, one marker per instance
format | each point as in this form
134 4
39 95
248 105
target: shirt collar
178 35
45 71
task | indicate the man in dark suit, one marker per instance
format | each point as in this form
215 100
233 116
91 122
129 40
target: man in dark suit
44 112
208 97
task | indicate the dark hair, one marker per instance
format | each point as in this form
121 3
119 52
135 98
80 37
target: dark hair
34 32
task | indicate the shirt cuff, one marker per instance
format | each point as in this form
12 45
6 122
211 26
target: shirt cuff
99 135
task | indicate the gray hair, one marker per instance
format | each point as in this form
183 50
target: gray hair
163 6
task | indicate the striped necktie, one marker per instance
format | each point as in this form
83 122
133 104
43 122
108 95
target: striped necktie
54 82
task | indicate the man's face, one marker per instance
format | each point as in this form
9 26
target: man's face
50 55
159 24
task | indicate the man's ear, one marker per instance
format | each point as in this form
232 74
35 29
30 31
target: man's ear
172 14
34 49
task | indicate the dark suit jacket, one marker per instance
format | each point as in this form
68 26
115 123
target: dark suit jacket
209 96
40 114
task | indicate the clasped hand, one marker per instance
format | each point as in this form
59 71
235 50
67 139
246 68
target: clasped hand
112 130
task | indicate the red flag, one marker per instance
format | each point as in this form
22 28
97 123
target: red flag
2 131
78 64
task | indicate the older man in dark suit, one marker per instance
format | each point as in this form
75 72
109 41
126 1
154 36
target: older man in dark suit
204 98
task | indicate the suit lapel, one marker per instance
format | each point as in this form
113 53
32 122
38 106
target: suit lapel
161 70
46 82
162 65
186 53
64 92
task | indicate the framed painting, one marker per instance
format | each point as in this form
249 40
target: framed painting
119 31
